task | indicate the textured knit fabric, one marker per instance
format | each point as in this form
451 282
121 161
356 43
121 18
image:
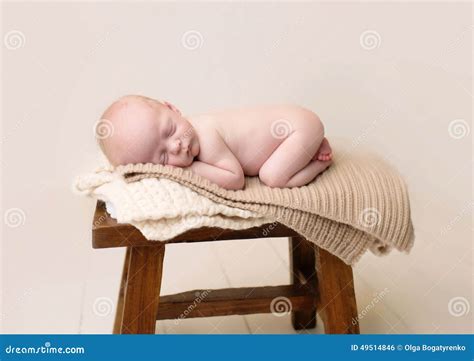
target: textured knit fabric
359 203
162 209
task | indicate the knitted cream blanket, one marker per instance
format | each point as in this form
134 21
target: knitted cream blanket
359 203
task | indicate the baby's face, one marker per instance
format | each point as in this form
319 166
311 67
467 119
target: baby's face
147 131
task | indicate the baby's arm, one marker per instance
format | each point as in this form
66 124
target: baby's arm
222 177
218 164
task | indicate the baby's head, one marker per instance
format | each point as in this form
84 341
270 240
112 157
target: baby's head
145 130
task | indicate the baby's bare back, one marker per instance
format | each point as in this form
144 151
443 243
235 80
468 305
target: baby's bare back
253 133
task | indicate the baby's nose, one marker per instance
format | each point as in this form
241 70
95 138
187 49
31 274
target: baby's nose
176 146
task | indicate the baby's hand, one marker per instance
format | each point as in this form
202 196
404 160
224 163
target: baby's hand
189 167
223 178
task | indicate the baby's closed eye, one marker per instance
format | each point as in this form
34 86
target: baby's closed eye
171 129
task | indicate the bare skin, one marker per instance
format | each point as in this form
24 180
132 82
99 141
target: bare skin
283 144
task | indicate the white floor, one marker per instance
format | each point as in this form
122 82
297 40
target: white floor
262 262
74 289
395 294
415 299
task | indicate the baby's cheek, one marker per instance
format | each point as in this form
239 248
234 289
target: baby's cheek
191 162
150 155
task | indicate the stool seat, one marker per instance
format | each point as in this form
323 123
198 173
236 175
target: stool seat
105 230
320 282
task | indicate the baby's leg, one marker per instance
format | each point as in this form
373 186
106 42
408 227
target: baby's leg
308 173
292 156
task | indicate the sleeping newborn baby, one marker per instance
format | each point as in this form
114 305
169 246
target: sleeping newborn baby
283 144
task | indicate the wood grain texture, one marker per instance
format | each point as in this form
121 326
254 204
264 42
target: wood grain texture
123 283
337 306
107 233
321 282
142 290
303 274
235 301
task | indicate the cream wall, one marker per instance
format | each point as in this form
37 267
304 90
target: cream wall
397 96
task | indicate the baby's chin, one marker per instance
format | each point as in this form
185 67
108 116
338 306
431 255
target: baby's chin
183 164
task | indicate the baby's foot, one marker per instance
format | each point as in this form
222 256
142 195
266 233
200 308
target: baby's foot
324 152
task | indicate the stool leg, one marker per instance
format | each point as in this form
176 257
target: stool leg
142 290
337 307
303 273
123 283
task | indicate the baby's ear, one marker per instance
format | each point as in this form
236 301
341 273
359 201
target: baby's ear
172 107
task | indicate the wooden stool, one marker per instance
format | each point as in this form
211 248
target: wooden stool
321 282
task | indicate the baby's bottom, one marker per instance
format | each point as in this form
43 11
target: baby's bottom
297 160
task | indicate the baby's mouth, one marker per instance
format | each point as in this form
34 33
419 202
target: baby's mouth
189 148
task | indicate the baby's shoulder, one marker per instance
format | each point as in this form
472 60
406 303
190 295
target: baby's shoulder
209 128
204 123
